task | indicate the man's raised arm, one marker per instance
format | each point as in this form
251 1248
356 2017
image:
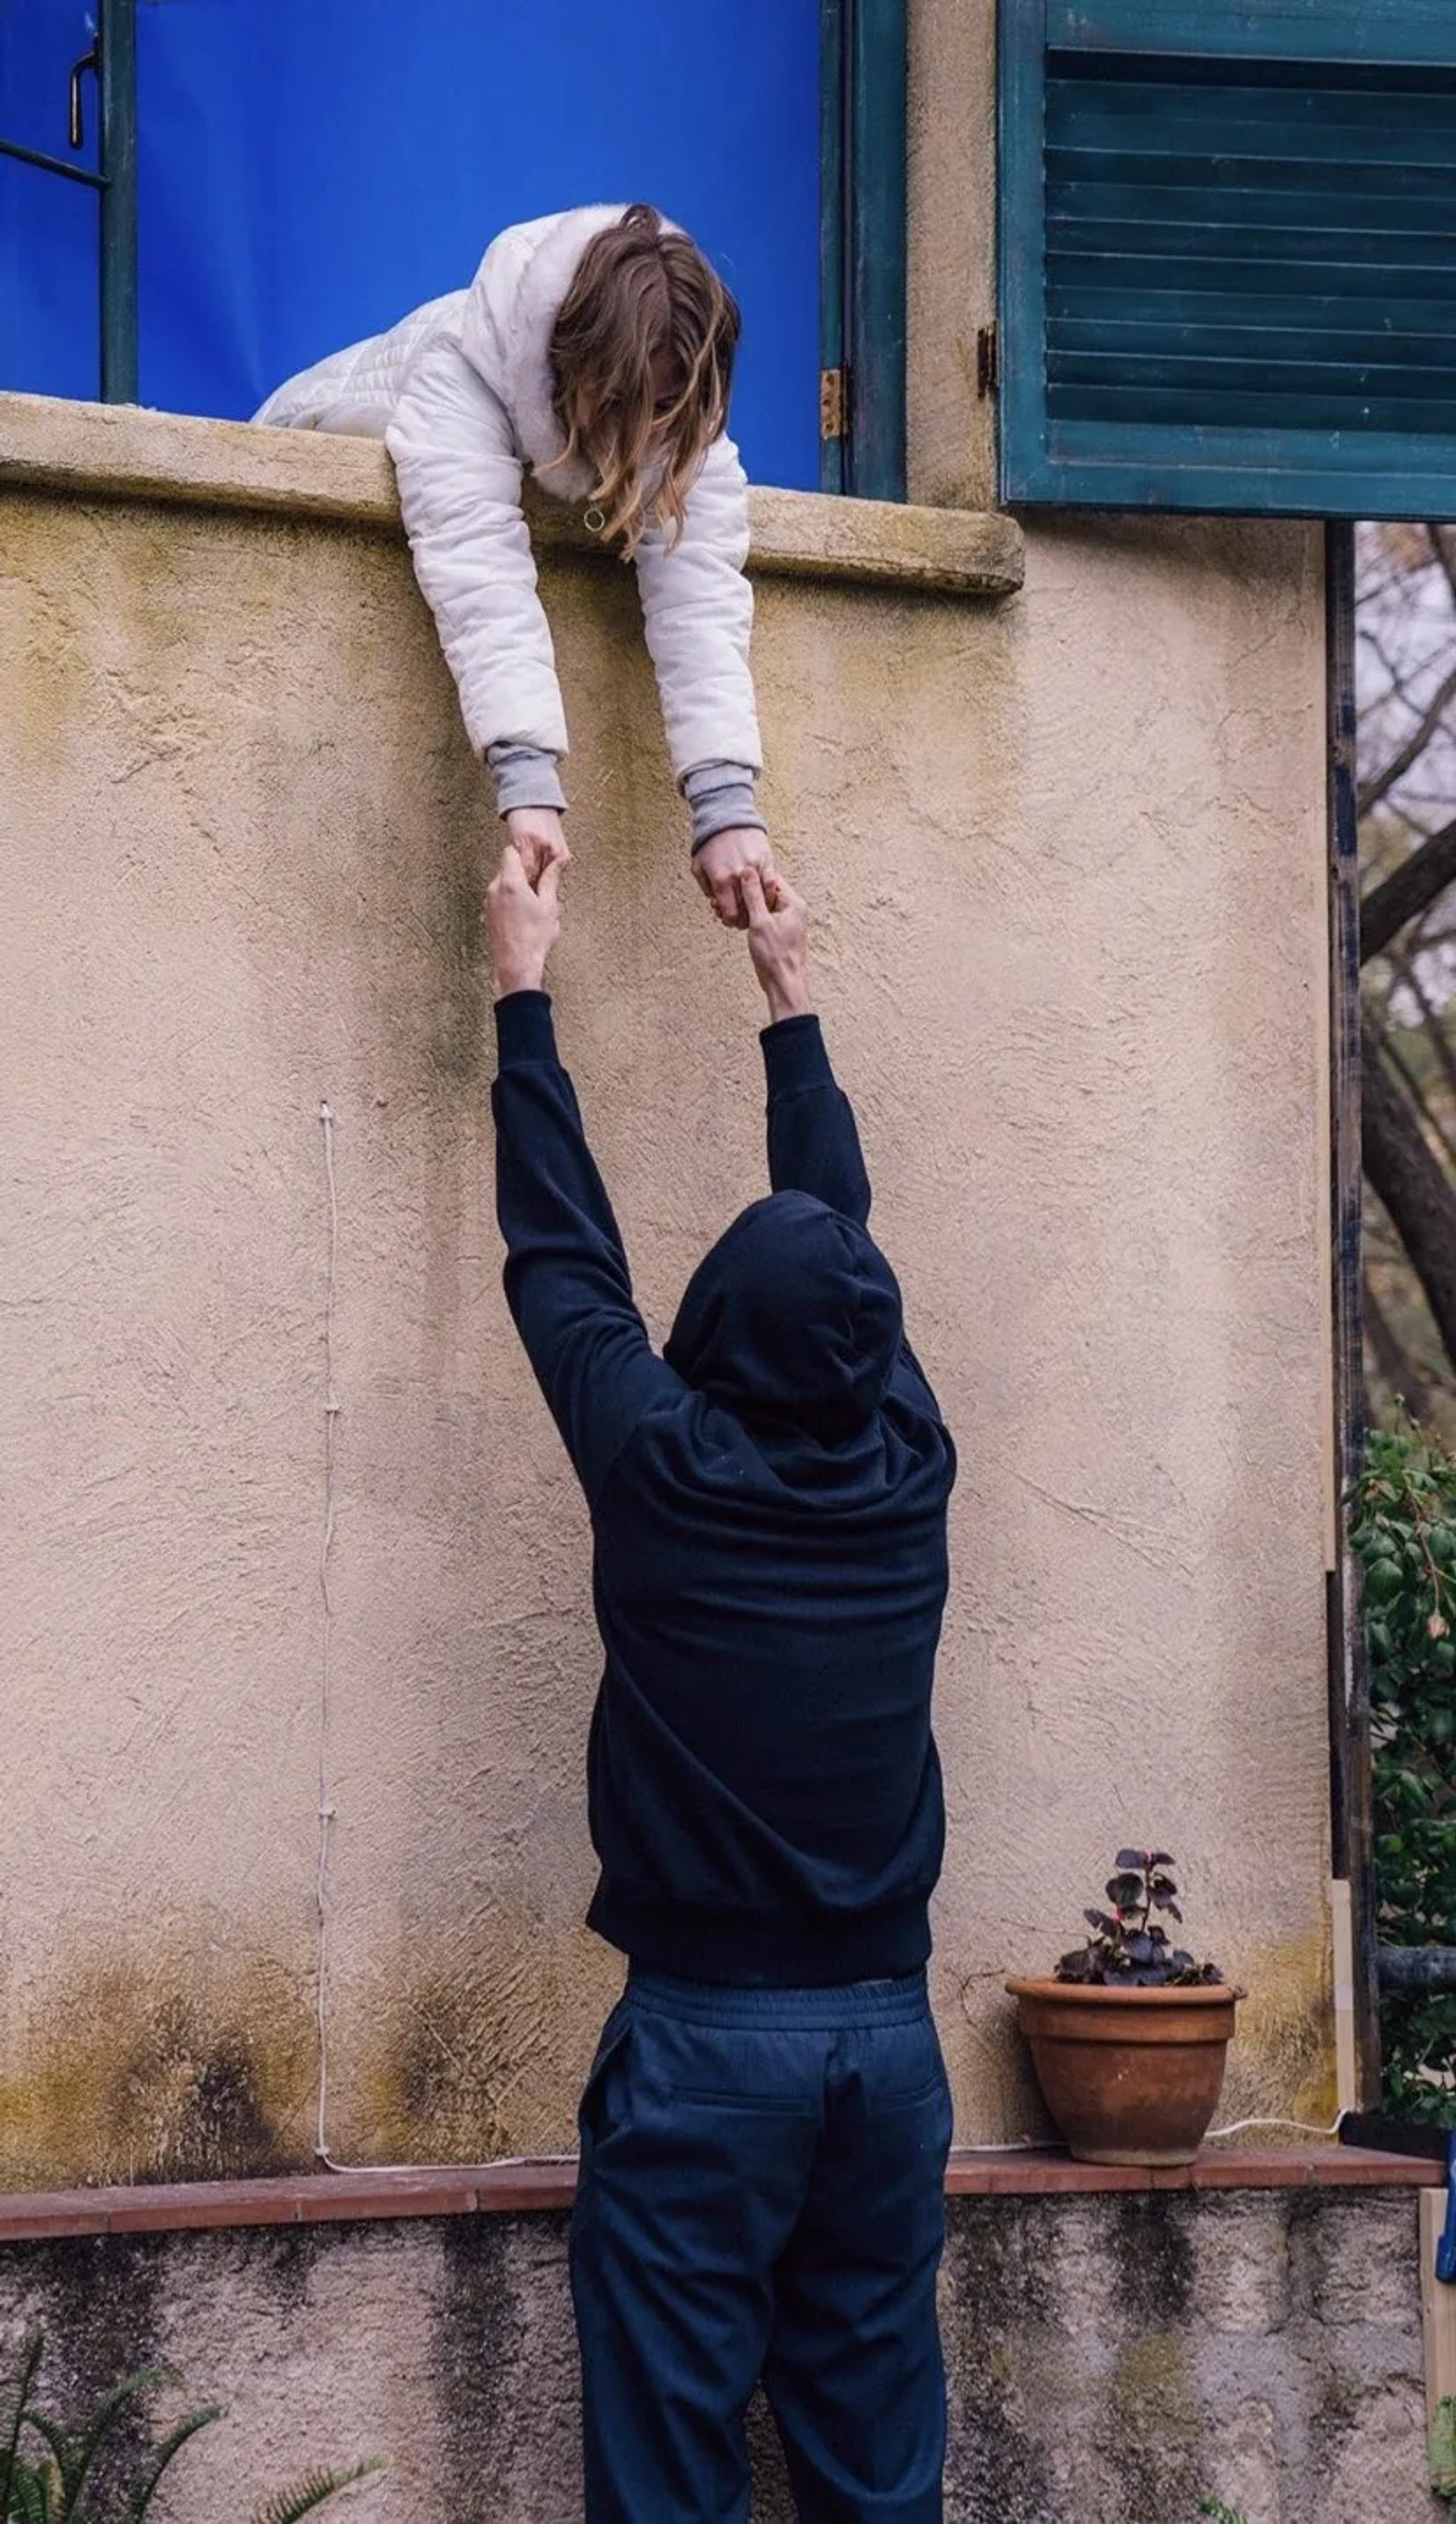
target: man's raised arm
566 1278
814 1144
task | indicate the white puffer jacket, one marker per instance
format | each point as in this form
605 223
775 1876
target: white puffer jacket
462 394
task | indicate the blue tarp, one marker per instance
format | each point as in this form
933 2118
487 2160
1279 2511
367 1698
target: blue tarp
311 168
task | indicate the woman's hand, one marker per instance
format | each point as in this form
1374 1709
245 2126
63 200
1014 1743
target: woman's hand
539 835
719 864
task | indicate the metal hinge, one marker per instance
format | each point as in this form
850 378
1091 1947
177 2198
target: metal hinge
833 402
988 361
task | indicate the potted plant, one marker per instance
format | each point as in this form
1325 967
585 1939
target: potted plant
1129 2039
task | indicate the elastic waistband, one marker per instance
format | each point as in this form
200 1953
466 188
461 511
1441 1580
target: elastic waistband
861 2002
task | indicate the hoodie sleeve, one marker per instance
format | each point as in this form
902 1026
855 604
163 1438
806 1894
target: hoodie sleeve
566 1278
814 1144
460 476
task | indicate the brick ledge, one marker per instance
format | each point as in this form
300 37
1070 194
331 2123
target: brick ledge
549 2182
124 452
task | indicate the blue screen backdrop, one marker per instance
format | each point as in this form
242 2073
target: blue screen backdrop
309 170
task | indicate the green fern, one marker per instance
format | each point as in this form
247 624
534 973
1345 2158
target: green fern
75 2456
34 2494
1215 2509
287 2506
56 2488
57 2469
1443 2451
13 2399
167 2454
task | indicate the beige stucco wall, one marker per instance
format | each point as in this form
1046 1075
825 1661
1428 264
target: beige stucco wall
1065 853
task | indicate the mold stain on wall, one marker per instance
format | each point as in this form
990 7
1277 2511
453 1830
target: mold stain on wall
1283 2060
478 2048
167 2072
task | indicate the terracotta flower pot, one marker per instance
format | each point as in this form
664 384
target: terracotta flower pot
1130 2076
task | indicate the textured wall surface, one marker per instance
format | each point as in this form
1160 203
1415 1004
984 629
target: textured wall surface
1112 2359
1066 858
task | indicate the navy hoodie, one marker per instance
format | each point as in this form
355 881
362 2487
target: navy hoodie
768 1512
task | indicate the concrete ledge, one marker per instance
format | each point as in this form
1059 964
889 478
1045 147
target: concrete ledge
550 2183
121 451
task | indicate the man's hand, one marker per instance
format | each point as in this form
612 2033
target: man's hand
540 836
525 921
719 867
778 924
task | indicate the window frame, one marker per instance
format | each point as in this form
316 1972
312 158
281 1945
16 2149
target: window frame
864 90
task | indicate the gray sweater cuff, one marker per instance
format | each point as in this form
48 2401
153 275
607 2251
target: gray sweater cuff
525 777
720 796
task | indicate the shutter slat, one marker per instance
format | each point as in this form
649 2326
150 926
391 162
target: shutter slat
1072 272
1075 336
1364 199
1213 376
1128 311
1344 32
1130 112
1198 408
1345 248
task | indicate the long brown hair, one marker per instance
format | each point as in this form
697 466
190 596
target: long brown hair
642 357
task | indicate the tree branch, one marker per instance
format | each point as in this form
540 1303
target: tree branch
1443 554
1414 1090
1414 746
1393 1367
1421 1202
1408 890
1408 975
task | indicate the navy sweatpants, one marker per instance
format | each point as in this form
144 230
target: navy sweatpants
761 2195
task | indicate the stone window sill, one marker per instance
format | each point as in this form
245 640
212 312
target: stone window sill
550 2182
124 452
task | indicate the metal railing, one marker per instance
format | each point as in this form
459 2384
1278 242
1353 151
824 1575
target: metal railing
112 60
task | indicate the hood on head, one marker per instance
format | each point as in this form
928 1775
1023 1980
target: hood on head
792 1321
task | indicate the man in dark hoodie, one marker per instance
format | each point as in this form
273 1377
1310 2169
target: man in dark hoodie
764 2130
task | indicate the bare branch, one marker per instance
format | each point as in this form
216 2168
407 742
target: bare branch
1414 1090
1393 1365
1407 890
1413 1186
1414 746
1437 1036
1446 556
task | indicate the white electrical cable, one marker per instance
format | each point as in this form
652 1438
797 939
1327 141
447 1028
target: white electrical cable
327 1808
1268 2120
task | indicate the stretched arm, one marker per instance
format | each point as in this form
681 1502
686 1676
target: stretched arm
814 1144
698 610
566 1278
460 490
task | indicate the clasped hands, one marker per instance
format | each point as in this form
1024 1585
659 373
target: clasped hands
525 922
540 836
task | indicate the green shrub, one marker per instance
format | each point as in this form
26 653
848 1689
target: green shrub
1404 1531
50 2474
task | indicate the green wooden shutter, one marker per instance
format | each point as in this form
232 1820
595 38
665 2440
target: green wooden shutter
1228 254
